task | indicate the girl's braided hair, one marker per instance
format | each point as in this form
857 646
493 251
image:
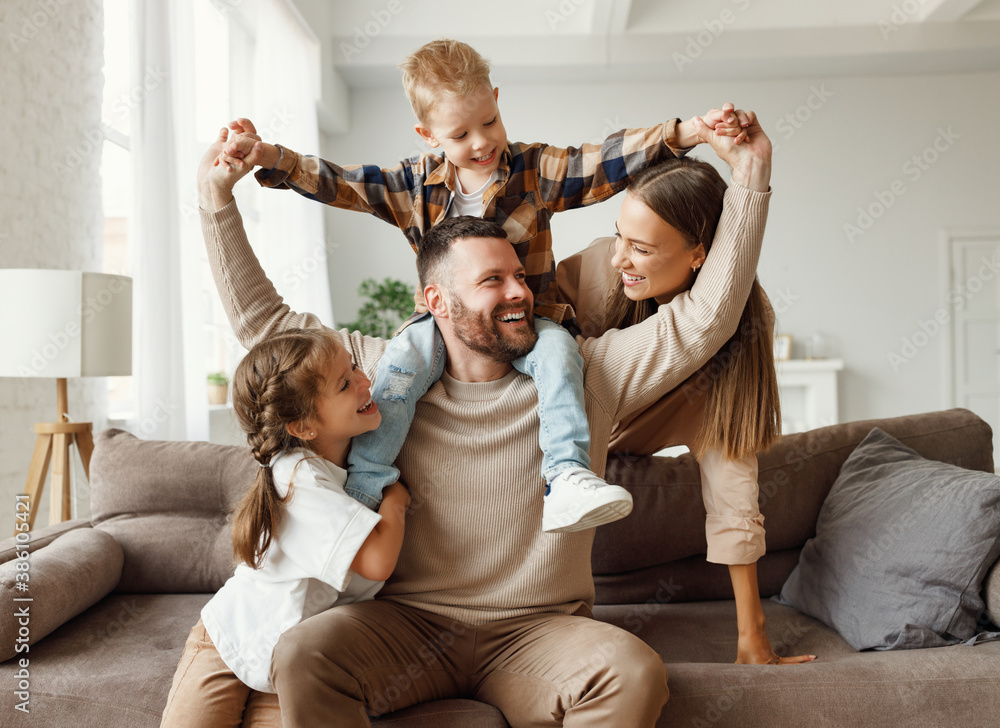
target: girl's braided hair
276 384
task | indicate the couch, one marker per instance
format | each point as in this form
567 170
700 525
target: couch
115 595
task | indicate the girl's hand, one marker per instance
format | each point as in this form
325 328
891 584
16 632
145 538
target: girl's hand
395 496
217 173
242 141
755 649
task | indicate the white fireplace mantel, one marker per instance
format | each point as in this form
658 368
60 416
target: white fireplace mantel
808 392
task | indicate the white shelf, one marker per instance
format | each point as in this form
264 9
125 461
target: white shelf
809 365
808 391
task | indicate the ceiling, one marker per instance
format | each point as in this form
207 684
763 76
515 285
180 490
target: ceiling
565 40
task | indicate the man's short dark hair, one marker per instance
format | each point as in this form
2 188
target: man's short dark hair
432 253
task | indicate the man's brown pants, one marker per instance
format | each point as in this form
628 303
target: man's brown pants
374 657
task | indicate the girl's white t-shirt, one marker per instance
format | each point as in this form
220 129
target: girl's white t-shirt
306 570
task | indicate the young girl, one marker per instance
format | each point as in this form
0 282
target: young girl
726 412
303 543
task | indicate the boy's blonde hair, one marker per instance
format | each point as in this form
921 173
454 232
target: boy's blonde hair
441 69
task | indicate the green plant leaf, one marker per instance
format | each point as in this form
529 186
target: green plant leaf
385 306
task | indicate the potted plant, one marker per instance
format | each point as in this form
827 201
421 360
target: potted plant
388 304
218 388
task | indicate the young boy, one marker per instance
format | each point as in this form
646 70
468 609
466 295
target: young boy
480 173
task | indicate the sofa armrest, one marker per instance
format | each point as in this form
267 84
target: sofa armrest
41 537
67 576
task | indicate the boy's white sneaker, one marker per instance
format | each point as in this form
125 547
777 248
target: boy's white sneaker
578 499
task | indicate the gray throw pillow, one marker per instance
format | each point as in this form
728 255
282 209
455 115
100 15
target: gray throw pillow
901 549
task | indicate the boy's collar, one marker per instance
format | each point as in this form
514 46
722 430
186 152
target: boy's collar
446 172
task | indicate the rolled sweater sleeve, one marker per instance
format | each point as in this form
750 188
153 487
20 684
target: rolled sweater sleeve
734 527
626 370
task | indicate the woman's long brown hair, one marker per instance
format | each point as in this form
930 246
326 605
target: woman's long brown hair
277 383
742 411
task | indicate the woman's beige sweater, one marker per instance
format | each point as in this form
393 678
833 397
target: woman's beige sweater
474 549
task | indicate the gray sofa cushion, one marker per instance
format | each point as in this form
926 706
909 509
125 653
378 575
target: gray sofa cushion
945 686
902 546
166 503
634 557
129 646
991 593
65 577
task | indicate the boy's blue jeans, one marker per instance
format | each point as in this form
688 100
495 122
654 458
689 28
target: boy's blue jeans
414 359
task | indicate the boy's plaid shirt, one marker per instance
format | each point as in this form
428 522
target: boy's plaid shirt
535 181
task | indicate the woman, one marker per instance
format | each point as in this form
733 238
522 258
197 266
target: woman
726 412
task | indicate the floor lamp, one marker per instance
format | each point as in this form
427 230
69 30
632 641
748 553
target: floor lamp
61 324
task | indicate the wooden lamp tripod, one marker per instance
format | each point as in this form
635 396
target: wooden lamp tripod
52 443
57 324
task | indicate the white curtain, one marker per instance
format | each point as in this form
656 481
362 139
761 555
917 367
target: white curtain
168 367
286 89
170 307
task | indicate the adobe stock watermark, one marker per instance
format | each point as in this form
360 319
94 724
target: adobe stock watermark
703 39
43 14
224 7
913 169
429 653
610 127
59 340
161 413
563 12
276 123
736 687
749 332
640 615
958 298
101 637
93 139
807 445
363 34
268 131
902 13
732 693
314 262
794 120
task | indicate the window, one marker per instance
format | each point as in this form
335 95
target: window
214 62
116 167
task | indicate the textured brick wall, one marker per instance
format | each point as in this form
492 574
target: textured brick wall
50 206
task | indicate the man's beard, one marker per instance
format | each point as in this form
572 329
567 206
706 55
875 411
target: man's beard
486 336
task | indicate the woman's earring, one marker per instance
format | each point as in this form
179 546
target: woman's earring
694 268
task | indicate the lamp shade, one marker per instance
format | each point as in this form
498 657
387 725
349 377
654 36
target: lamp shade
64 323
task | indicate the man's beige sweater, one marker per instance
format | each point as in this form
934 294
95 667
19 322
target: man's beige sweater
474 549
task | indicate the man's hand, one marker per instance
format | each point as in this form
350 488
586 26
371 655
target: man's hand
217 177
755 649
750 160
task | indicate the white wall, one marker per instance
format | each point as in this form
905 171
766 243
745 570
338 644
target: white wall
864 295
50 208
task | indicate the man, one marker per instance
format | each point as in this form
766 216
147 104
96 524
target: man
483 604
